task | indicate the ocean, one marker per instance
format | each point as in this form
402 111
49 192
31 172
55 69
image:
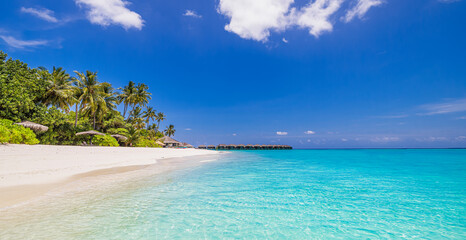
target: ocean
284 194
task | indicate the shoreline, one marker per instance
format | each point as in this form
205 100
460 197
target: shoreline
30 172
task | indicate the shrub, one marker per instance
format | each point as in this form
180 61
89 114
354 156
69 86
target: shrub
144 142
106 140
16 134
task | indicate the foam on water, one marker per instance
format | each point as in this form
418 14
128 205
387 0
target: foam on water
299 194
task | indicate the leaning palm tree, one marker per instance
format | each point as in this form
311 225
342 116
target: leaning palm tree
59 91
160 117
127 96
149 114
93 94
170 131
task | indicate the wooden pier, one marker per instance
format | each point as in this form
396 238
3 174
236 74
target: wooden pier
245 147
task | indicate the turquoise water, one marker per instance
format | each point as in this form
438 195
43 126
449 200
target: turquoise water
298 194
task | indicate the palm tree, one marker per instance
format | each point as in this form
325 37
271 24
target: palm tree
127 96
109 101
77 92
141 96
135 114
149 114
170 131
132 136
59 91
93 94
160 117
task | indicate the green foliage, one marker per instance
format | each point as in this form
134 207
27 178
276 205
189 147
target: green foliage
106 140
144 142
21 89
121 131
16 134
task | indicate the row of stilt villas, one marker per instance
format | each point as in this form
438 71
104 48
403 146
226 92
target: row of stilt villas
245 147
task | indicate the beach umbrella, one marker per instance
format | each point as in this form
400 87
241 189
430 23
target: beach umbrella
34 126
119 137
90 133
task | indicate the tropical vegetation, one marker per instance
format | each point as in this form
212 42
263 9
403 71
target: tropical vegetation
69 104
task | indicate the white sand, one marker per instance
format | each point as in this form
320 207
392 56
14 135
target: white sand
40 164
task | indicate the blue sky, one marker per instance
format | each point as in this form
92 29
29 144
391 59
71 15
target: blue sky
311 74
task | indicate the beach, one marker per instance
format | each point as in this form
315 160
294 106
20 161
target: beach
28 171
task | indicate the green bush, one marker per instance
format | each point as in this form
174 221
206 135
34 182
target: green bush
16 134
106 140
144 142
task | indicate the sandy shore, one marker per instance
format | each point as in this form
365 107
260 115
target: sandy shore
29 171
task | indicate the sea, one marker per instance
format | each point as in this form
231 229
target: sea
279 194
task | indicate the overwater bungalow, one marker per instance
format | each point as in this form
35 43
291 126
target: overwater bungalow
211 147
202 147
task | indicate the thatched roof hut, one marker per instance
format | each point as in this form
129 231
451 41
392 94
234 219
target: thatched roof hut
160 143
119 137
170 142
211 147
202 146
91 132
34 126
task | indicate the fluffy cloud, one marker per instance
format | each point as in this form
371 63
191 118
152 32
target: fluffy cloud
361 9
255 19
309 132
282 133
191 13
315 16
107 12
44 14
21 44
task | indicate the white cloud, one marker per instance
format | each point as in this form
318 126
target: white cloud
234 134
191 13
361 9
284 40
452 106
461 118
461 138
107 12
344 140
255 19
43 13
315 16
21 44
282 133
309 132
188 129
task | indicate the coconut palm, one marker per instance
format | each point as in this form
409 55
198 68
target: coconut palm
170 131
149 114
135 114
108 105
59 91
160 117
77 93
133 136
127 96
93 94
141 96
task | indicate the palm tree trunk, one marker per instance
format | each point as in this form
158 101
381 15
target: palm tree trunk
124 110
94 121
76 118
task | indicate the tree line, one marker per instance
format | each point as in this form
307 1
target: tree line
68 104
